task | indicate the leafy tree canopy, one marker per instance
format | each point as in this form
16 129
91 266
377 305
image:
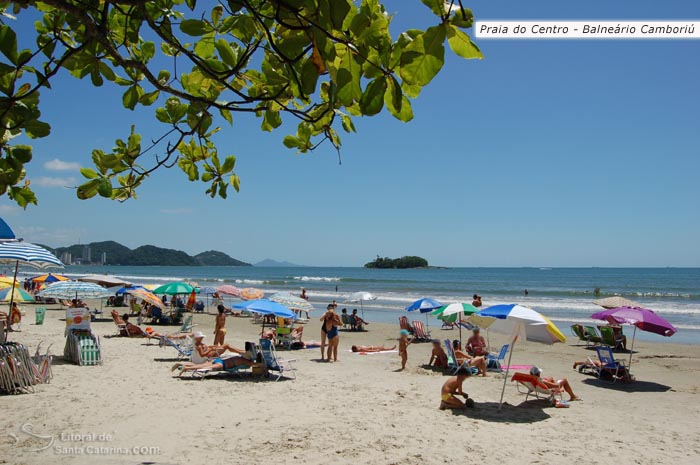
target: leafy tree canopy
409 261
320 62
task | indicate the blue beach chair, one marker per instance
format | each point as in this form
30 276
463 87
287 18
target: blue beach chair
267 350
494 362
611 367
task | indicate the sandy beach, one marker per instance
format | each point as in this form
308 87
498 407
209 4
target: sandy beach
359 410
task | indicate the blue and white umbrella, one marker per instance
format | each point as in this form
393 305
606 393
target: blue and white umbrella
74 290
207 290
24 253
266 307
424 305
518 321
125 289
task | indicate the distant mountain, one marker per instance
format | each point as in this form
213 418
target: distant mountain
216 258
268 262
146 255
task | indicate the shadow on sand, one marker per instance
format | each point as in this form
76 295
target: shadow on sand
530 411
636 386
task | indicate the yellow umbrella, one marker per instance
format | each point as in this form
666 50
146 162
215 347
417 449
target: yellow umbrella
147 297
6 281
17 295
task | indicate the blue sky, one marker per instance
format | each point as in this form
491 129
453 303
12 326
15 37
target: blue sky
546 153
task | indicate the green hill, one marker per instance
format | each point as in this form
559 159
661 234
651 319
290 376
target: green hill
145 255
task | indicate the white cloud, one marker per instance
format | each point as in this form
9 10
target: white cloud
48 181
8 210
60 165
176 211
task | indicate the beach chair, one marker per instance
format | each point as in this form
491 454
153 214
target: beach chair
184 350
187 325
608 338
348 321
404 324
267 350
82 348
236 370
447 325
452 360
615 369
592 334
578 331
533 386
493 362
121 324
419 331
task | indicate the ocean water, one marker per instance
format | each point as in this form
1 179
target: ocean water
563 294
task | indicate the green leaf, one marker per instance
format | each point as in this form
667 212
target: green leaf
290 142
205 46
88 190
423 58
226 114
104 188
8 43
36 129
23 196
271 120
195 27
347 123
163 76
131 96
149 98
372 99
226 52
216 14
107 72
88 173
22 153
229 164
462 45
463 20
339 11
397 104
148 51
348 79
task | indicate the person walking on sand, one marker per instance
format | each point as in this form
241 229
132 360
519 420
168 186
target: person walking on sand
404 342
453 388
220 326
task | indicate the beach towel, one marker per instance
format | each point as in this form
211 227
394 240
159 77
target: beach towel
517 367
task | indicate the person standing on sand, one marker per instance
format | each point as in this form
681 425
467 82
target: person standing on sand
331 323
404 342
220 326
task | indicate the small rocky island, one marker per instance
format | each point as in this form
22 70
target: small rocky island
410 261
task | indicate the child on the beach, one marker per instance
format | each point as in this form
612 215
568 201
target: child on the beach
452 388
404 342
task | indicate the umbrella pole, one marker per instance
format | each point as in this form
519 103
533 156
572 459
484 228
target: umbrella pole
632 347
363 310
505 379
460 328
12 300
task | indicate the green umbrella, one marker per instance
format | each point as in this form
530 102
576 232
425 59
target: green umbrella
173 288
452 312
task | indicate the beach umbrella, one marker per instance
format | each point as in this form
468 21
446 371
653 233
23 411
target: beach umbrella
641 318
6 281
615 302
125 289
74 290
207 290
146 296
104 280
360 297
452 312
251 293
229 290
520 322
424 305
49 278
15 251
173 288
292 301
266 307
15 294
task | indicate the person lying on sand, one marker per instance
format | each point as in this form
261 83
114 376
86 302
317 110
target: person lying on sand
453 388
438 357
372 348
461 356
623 374
218 364
552 384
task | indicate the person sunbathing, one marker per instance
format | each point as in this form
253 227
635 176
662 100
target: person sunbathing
560 384
453 388
206 351
438 357
623 374
461 357
371 348
132 330
218 364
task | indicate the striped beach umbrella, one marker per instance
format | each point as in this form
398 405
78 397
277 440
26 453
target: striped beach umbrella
292 301
49 278
251 293
229 290
74 290
24 253
146 297
15 294
8 281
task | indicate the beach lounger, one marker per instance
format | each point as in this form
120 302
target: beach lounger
493 362
348 321
578 331
184 350
608 338
281 366
419 331
187 325
121 324
535 387
452 360
592 334
615 369
404 324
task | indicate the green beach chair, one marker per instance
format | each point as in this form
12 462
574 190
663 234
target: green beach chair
608 338
577 330
592 334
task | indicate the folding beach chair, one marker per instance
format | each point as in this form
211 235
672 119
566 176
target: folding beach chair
578 331
535 387
403 322
187 325
452 360
419 331
184 350
592 334
608 338
267 350
493 362
348 321
615 369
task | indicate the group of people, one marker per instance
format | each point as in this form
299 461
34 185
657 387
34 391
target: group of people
356 322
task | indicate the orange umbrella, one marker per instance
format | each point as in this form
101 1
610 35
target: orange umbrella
251 293
147 297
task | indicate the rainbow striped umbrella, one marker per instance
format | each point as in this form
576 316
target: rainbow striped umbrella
15 294
49 278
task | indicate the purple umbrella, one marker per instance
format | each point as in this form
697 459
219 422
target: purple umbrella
641 318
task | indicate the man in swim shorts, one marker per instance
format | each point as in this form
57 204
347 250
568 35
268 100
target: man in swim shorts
453 388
